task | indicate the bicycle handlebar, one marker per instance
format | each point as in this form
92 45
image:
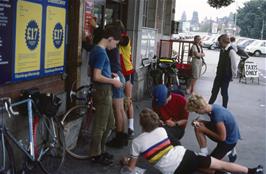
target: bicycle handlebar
152 60
7 102
87 92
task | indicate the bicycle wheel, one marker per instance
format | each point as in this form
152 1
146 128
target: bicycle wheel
203 68
49 144
149 86
7 162
77 128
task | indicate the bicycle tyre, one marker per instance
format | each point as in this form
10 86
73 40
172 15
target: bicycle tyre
77 128
203 68
149 86
8 156
49 147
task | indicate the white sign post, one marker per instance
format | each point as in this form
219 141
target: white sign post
251 70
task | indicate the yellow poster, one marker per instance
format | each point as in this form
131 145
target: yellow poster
55 38
28 38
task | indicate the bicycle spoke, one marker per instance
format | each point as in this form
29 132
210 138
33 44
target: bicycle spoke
49 147
78 131
203 68
7 164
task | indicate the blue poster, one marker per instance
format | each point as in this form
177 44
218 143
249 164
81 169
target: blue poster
5 40
27 43
55 37
39 38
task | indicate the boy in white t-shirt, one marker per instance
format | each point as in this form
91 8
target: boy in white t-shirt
153 144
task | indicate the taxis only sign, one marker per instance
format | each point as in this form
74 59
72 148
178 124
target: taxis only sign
251 69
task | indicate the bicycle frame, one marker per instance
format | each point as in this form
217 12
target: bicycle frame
29 152
45 144
10 111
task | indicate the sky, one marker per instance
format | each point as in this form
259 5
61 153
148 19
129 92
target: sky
204 9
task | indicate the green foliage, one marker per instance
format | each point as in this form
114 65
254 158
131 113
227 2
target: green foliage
220 3
250 19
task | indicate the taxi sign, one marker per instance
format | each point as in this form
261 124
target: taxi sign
251 69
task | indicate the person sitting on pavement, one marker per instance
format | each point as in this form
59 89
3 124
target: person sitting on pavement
154 145
222 127
171 108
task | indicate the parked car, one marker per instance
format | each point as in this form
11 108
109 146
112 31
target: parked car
238 40
257 48
243 44
211 43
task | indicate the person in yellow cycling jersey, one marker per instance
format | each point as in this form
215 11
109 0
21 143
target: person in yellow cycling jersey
128 72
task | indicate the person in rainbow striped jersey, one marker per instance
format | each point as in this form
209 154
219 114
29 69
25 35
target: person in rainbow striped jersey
154 145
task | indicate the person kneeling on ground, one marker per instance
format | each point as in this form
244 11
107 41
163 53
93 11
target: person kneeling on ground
171 108
154 145
222 127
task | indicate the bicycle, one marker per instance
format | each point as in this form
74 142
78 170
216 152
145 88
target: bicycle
240 67
169 73
152 73
203 67
161 71
45 146
77 122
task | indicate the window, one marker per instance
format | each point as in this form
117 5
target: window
148 44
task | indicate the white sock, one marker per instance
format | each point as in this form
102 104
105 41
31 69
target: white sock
204 150
233 151
131 123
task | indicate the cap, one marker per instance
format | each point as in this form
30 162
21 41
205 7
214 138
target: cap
160 94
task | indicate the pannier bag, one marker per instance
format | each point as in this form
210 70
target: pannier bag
46 103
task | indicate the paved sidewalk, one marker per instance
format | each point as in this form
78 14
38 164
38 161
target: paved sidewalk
247 102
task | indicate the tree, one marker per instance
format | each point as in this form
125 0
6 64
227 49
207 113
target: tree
220 3
251 19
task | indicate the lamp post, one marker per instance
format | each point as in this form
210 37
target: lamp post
262 26
235 17
262 29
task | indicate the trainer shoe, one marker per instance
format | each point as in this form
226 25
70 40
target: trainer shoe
130 133
101 160
108 156
232 157
259 169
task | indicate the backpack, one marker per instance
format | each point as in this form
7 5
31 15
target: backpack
191 51
241 52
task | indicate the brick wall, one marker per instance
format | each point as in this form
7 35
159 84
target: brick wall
53 84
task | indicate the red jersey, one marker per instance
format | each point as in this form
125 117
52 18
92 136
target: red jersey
174 109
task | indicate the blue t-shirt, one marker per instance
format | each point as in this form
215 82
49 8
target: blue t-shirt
114 58
220 114
100 60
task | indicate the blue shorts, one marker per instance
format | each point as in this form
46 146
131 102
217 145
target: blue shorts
119 92
130 78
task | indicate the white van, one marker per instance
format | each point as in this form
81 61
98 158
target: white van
256 48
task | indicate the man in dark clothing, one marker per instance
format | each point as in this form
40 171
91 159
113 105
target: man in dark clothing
226 70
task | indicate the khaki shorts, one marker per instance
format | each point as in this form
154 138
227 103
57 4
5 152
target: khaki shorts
196 67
